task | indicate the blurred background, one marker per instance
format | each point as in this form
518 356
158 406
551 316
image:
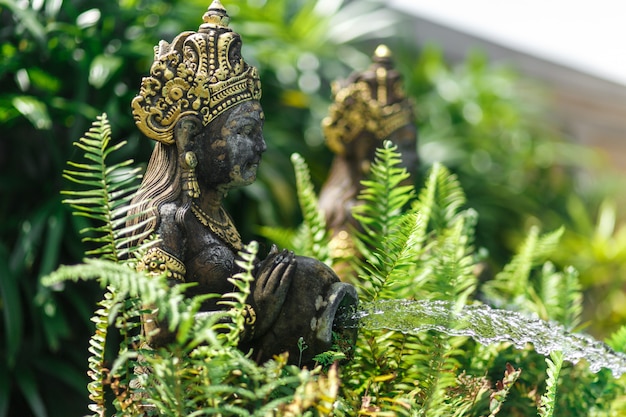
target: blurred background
511 97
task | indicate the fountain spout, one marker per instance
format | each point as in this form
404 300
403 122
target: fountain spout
318 310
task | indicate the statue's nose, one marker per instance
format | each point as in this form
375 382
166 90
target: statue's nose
261 145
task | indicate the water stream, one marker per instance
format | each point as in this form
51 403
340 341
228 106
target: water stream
487 325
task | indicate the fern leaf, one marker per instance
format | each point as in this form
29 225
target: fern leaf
571 298
446 272
108 194
617 340
121 276
313 232
548 299
439 367
451 264
236 300
393 260
560 296
383 195
548 399
440 200
512 283
96 360
385 229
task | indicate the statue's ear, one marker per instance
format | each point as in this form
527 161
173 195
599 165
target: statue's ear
185 130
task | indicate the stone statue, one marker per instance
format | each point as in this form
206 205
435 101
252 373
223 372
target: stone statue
369 107
200 103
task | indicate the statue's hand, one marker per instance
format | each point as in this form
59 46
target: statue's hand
270 288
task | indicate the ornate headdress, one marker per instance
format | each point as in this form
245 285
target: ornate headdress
200 73
372 101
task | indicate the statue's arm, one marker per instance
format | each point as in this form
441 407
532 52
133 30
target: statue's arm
165 257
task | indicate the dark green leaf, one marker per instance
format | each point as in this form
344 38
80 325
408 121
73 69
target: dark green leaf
11 308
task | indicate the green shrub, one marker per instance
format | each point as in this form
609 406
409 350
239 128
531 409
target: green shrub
64 62
416 246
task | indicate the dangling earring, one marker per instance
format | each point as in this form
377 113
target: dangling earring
190 182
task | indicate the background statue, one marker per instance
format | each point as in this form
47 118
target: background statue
369 107
201 104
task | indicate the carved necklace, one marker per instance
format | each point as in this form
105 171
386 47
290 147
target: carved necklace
224 230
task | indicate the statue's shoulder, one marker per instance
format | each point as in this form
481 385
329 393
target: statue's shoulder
170 231
167 212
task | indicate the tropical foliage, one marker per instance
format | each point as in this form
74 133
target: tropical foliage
426 252
65 62
62 64
421 246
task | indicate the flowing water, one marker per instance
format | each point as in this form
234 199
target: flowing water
487 325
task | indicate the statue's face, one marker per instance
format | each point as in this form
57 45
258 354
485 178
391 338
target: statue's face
229 149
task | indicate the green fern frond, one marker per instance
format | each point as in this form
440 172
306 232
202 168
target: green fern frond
150 289
571 298
96 361
392 260
402 262
128 323
107 272
215 380
236 300
548 298
617 340
108 190
559 296
383 243
439 375
512 283
383 196
451 263
548 399
441 198
374 374
446 269
313 235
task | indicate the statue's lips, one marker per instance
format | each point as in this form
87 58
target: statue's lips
254 164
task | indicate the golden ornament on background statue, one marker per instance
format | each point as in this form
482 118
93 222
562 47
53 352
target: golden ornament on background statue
368 108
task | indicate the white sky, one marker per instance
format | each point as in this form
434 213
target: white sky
589 36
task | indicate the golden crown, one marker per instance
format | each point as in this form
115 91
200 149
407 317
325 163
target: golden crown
372 101
200 73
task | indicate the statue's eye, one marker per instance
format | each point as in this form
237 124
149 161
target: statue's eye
245 130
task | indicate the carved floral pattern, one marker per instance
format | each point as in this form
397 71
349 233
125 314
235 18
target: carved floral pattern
201 74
